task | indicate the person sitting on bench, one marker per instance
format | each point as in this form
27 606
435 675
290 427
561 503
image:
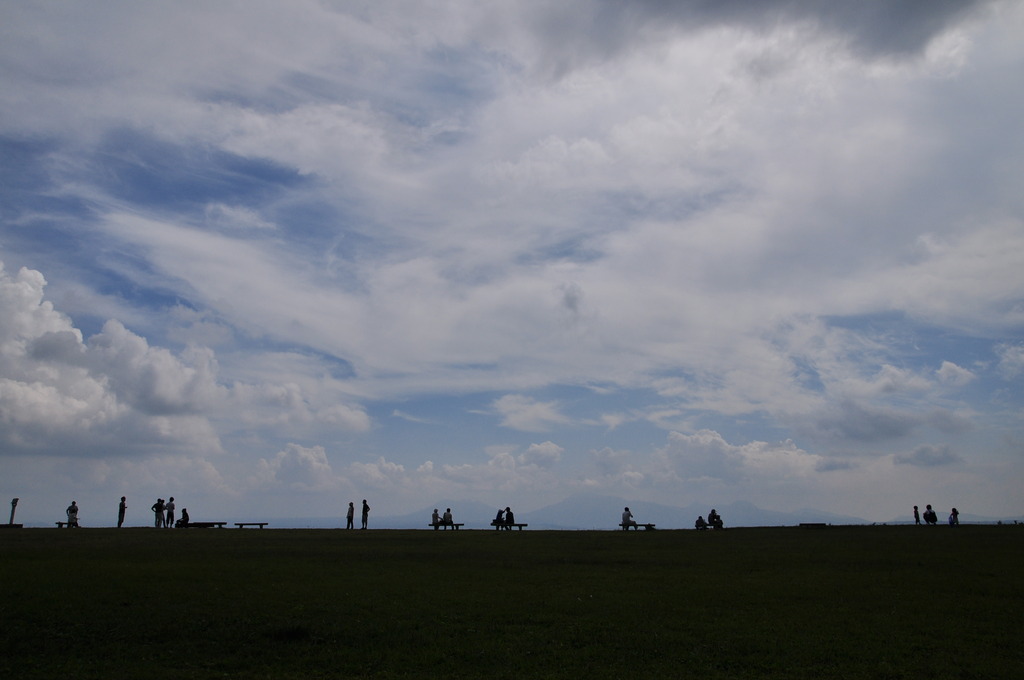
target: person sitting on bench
627 519
183 522
435 519
510 519
446 519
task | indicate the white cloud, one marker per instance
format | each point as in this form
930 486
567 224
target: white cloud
116 393
542 455
300 468
928 455
380 474
951 374
706 454
524 413
1011 360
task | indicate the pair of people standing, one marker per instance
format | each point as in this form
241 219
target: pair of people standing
163 512
350 516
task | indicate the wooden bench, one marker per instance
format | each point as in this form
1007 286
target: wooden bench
502 525
205 525
442 525
60 525
812 525
251 524
637 525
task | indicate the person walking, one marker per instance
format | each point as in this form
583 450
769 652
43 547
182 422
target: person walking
366 513
917 516
121 508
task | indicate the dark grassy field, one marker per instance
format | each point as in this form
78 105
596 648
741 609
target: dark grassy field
841 602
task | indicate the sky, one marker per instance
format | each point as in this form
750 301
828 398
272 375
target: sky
270 258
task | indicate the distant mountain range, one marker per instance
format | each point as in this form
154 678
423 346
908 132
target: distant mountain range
587 511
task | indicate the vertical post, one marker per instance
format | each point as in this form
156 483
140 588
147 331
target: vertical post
14 504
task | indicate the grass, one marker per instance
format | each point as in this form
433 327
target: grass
842 602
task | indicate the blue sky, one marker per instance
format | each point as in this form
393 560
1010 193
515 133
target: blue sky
270 259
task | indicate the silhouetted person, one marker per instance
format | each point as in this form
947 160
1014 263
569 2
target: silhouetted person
169 513
499 519
121 508
447 517
930 517
954 517
351 516
715 520
366 513
700 524
627 520
510 519
158 512
183 522
72 513
435 519
917 516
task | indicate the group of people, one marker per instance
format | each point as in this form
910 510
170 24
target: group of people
350 516
504 519
444 520
931 519
714 521
163 514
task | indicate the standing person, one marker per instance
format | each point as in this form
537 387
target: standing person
72 513
350 524
627 520
366 513
158 512
169 510
121 508
917 516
